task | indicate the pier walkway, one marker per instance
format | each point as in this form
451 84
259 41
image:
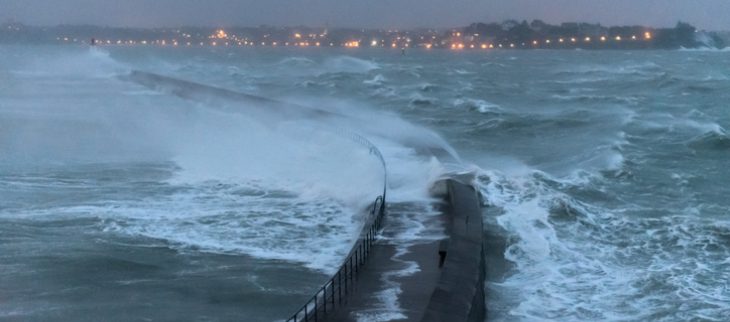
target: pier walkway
448 285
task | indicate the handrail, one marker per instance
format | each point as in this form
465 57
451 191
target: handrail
340 284
357 138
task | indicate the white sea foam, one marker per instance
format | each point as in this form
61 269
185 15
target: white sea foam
418 99
705 49
349 64
297 62
686 123
389 310
378 80
481 106
266 226
628 100
627 68
564 247
462 72
88 63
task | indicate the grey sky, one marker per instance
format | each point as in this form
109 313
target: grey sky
707 14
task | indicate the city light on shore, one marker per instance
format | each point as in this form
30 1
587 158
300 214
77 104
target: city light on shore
352 44
596 38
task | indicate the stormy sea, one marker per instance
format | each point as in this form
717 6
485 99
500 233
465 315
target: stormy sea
121 200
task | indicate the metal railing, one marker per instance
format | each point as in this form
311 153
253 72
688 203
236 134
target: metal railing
357 138
341 284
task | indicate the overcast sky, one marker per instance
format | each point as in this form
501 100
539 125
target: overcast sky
705 14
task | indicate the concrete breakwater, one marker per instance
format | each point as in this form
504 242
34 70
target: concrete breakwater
449 282
459 293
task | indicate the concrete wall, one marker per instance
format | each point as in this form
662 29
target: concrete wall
459 295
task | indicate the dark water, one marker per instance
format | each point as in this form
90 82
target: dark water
606 170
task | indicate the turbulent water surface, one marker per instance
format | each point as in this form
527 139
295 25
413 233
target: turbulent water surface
605 170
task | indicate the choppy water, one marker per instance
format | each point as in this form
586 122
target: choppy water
606 170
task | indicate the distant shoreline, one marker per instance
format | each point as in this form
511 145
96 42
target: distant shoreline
509 34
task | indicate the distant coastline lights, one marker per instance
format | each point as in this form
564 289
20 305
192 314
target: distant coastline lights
396 39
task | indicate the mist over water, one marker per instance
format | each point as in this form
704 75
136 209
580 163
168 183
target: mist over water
139 190
605 170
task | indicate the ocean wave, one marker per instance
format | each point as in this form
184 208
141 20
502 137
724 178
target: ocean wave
303 66
388 92
296 62
712 140
349 64
575 261
463 72
535 123
428 87
378 80
89 63
582 80
252 218
690 126
418 100
479 105
226 219
697 83
705 49
637 69
317 84
628 100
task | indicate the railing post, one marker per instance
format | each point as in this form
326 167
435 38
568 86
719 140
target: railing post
367 242
324 298
339 286
306 312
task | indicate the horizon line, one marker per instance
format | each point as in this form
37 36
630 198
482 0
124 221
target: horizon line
12 21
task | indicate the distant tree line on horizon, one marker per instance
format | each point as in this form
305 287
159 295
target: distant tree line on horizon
682 35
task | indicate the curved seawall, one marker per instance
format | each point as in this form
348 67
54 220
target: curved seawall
449 282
